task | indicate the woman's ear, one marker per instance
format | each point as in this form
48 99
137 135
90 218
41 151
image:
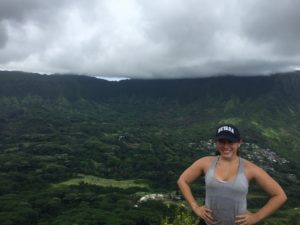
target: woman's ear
240 143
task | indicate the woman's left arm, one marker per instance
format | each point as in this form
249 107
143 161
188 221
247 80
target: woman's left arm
272 188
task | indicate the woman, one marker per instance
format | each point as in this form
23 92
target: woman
226 181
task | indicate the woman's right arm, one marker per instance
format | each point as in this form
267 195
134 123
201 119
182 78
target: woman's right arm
188 177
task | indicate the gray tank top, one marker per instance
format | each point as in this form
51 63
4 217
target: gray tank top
226 199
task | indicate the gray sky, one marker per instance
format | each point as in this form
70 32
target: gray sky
150 38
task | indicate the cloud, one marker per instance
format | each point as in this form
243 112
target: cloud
275 24
146 39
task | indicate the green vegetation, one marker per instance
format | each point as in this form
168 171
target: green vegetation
181 217
92 180
78 150
186 217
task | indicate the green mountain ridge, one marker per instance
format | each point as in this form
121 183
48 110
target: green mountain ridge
75 86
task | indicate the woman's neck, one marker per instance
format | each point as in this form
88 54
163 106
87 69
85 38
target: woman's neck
227 159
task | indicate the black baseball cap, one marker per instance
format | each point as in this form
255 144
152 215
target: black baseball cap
228 132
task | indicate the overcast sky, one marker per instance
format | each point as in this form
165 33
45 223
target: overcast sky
150 38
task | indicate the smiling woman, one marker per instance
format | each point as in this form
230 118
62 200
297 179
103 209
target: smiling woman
227 178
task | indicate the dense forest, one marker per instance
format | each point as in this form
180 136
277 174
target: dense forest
80 150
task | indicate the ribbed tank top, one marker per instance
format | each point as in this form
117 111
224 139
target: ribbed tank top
226 199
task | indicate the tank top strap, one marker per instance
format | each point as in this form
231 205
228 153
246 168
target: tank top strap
241 165
214 163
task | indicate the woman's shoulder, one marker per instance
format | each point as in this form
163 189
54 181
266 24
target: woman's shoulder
205 162
251 169
249 165
208 159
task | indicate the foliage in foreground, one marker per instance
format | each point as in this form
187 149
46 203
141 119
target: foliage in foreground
181 217
185 216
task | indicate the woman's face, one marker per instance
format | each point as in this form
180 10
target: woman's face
226 148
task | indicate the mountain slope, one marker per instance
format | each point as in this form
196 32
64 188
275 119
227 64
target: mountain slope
266 107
